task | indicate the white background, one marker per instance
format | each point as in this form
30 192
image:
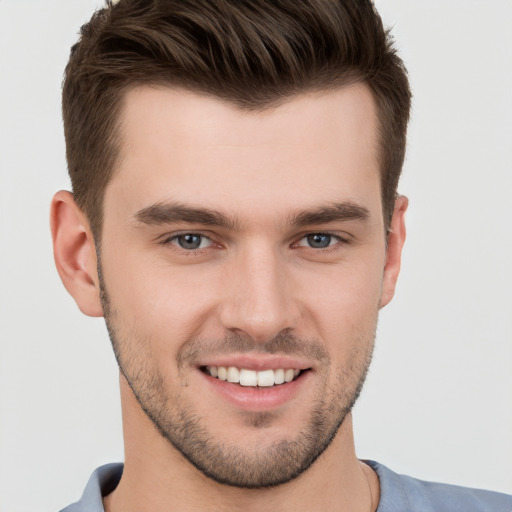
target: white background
438 402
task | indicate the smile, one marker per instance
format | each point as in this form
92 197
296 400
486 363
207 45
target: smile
244 377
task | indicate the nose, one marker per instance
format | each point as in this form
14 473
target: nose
259 295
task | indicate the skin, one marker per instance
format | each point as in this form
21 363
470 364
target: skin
172 310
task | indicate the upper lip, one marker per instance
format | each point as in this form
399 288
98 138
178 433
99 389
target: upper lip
257 362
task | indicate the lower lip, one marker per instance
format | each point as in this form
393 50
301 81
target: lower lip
252 398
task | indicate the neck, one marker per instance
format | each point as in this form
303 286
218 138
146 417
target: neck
158 478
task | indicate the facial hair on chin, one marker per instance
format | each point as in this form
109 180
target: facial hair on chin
187 431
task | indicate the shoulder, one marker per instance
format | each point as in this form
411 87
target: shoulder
102 482
400 493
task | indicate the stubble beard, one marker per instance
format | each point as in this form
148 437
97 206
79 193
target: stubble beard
187 431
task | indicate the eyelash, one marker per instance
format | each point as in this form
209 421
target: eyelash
168 240
339 241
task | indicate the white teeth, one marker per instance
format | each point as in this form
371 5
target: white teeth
222 372
288 375
244 377
233 374
279 376
266 378
248 378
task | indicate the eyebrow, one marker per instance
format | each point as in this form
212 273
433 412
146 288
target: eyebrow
172 212
335 212
168 213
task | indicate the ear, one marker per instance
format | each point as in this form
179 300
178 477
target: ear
75 254
396 239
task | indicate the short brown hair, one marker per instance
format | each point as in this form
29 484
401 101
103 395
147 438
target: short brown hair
253 53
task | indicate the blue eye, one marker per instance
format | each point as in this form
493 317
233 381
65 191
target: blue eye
319 240
191 241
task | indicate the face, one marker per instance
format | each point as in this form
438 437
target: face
242 268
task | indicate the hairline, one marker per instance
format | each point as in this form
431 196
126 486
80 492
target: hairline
116 138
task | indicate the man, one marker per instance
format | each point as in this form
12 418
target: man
234 218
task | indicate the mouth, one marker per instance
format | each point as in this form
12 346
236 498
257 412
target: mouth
252 378
257 384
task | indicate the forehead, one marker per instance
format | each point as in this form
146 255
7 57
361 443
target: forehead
312 149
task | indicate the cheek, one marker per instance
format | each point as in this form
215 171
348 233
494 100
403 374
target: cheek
347 326
171 305
346 296
160 301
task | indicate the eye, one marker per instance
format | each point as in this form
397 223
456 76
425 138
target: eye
190 241
318 240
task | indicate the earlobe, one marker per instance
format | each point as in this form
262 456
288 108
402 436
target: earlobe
396 240
74 253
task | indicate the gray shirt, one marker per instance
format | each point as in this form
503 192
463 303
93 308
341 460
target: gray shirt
398 493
